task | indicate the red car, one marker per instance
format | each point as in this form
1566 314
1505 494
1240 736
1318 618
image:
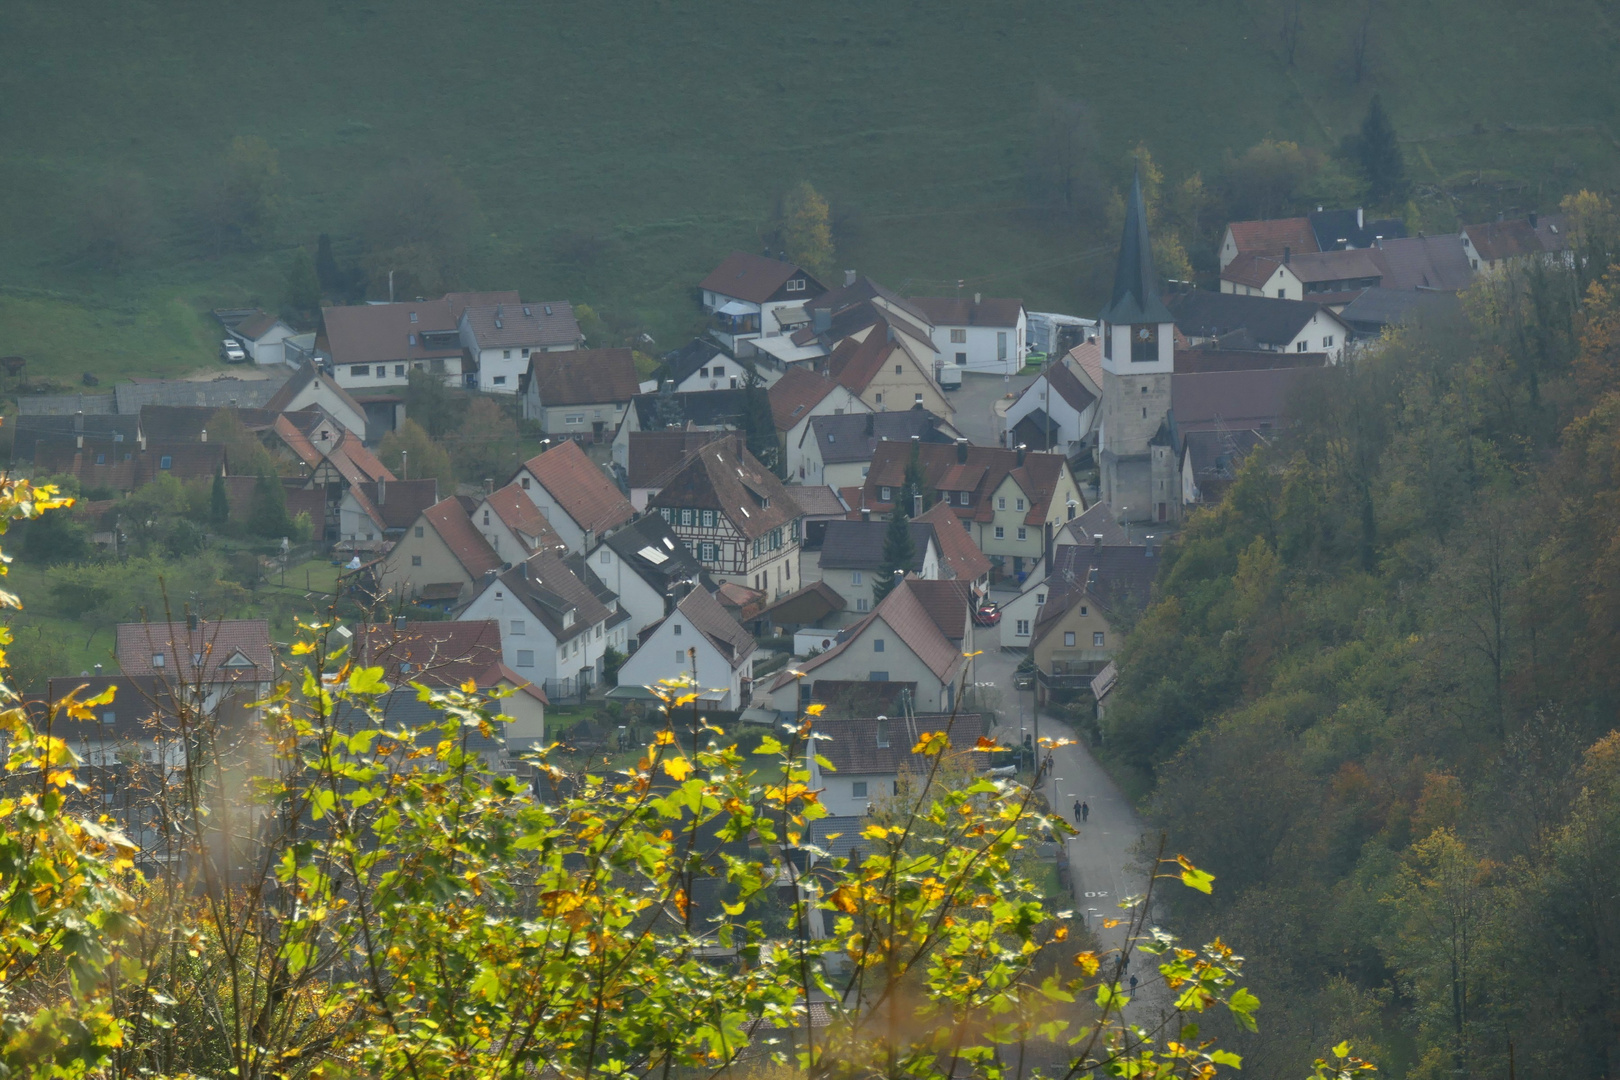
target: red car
987 614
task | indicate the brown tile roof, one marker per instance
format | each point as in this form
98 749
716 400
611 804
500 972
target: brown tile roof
714 622
441 654
795 394
1272 236
255 326
753 278
582 490
947 604
518 512
852 745
652 452
1337 265
537 325
741 603
303 377
1243 399
1251 269
448 518
1098 519
549 589
957 551
584 376
297 441
960 311
809 604
186 423
903 612
396 504
1038 476
1505 239
1088 354
230 650
868 293
856 363
372 333
723 477
356 461
818 500
461 301
1426 262
124 466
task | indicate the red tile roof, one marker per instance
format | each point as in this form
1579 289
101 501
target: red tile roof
753 278
852 744
651 453
1038 476
584 376
947 604
1497 240
1251 269
449 519
856 363
795 394
581 489
432 653
956 547
1270 237
518 513
903 612
960 311
231 650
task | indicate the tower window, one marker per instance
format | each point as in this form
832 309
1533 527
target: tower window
1144 343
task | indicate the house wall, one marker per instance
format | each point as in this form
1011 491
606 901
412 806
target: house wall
858 594
1282 285
1051 648
525 723
565 526
268 349
775 572
1324 333
438 563
394 373
354 523
582 419
507 544
861 659
657 659
1070 426
838 790
528 646
799 443
724 373
1006 516
1229 249
1023 609
982 351
891 392
644 603
318 392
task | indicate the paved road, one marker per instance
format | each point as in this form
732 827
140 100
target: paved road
974 402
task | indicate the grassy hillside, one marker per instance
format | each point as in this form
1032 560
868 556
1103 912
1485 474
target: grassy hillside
617 150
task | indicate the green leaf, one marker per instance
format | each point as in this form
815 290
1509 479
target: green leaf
322 802
1226 1057
367 681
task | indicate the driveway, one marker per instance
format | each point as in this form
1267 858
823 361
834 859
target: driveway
975 405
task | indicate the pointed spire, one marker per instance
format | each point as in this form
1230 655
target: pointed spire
1136 284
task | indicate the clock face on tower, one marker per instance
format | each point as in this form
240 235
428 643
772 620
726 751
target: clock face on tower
1145 344
1144 334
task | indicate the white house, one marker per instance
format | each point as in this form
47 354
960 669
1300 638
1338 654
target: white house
837 450
514 527
744 293
986 335
867 755
308 387
261 335
703 365
1265 323
500 338
797 398
554 629
1056 411
580 394
574 494
702 633
377 346
642 564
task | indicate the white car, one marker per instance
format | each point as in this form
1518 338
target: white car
231 350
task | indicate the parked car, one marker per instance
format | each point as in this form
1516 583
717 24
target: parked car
987 614
231 351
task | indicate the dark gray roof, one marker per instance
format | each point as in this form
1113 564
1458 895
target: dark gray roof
1427 262
186 423
546 323
682 362
858 545
1116 576
701 408
1268 320
58 430
839 837
64 404
400 707
855 436
1216 455
1333 226
1098 519
1136 284
1378 308
650 548
226 390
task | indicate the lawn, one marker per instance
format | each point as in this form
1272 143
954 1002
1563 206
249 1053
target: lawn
617 151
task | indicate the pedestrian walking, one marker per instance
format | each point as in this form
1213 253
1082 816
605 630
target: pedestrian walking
1085 812
1133 984
1078 812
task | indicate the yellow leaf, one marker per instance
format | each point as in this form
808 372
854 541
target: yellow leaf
732 909
1088 962
1060 934
842 899
985 743
677 768
665 738
469 687
814 710
932 743
1109 924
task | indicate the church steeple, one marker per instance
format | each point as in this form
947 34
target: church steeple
1136 284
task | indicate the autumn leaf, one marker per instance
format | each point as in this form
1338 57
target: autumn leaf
814 710
1194 878
665 738
985 743
932 743
677 768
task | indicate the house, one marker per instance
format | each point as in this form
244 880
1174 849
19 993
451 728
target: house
703 365
448 655
440 560
1268 238
221 666
1428 263
652 452
379 345
1491 246
32 430
743 294
261 336
665 410
1330 278
309 388
987 335
642 564
888 369
734 515
573 494
1342 230
959 557
837 450
554 628
334 461
1269 324
904 639
502 337
513 526
866 756
189 423
1096 526
851 557
1102 685
1058 411
698 638
125 466
796 399
1007 498
371 512
581 394
1092 591
814 605
1370 313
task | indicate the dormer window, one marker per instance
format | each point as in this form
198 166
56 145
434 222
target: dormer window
568 618
883 733
413 316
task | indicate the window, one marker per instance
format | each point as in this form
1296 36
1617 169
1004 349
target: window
419 532
1001 345
525 351
606 558
1068 638
525 658
961 359
665 513
413 316
500 380
506 354
862 604
855 578
1023 628
165 462
879 399
1001 502
101 459
157 659
676 629
1019 504
709 554
962 498
1001 533
562 653
708 519
486 517
1327 342
1282 294
1097 639
796 285
1023 533
598 629
1084 609
416 560
411 338
703 373
1040 598
1299 346
357 370
574 418
525 483
917 398
877 644
686 515
885 495
958 337
858 789
680 656
898 370
517 627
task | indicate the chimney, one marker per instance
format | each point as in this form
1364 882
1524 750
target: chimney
890 333
1096 540
489 485
1021 450
382 492
976 299
204 434
78 423
1378 241
866 515
916 440
849 278
961 451
669 602
98 670
140 442
191 620
1360 221
1288 254
78 440
399 622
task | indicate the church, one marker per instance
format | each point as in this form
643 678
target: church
1139 470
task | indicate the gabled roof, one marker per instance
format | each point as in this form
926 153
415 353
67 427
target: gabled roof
255 326
584 376
754 278
545 585
409 330
186 423
303 377
224 650
534 325
581 489
448 518
958 554
1337 265
1135 298
682 363
396 504
1377 308
1497 240
818 500
722 476
854 436
1098 519
1088 356
853 746
124 466
715 623
961 311
1251 269
795 394
1337 229
806 605
1214 456
1437 263
653 552
946 602
652 452
1037 476
518 513
1274 322
903 612
858 545
31 429
856 363
439 654
1234 398
1117 577
1270 237
141 708
865 292
217 393
700 408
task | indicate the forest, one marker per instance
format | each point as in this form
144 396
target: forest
1375 693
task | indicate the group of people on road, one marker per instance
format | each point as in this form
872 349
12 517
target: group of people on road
1082 811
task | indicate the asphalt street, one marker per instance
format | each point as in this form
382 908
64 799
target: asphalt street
975 405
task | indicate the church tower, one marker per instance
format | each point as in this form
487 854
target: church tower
1137 473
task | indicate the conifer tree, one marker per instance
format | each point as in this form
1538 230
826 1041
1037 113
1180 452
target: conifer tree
219 503
899 553
1378 153
269 514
